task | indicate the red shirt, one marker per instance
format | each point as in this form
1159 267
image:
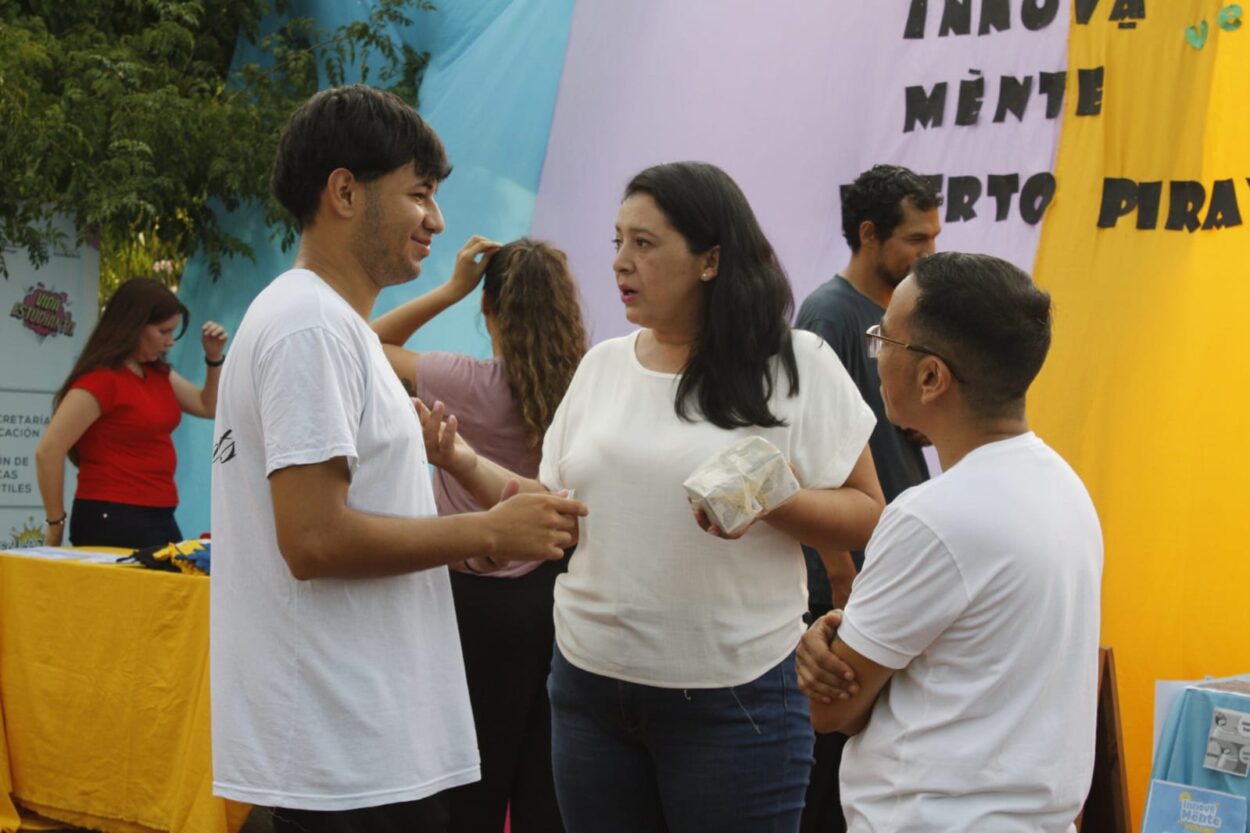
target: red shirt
127 455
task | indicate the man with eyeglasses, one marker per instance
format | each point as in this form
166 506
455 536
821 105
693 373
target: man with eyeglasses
978 603
889 218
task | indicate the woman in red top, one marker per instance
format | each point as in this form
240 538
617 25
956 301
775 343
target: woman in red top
114 417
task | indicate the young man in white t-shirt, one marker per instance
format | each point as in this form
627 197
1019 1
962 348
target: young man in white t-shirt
979 599
338 688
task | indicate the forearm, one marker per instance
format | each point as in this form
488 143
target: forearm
398 325
355 544
846 716
321 536
73 416
828 519
849 715
485 480
208 393
840 568
50 472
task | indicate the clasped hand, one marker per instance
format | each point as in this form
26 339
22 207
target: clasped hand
823 675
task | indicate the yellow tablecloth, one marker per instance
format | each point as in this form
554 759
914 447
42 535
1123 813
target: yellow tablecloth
104 698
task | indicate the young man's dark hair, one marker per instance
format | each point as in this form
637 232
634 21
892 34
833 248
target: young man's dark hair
367 131
989 319
877 195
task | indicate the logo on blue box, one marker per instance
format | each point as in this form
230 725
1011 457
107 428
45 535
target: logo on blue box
1180 808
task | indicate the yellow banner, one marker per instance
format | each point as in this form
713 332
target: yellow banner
1147 254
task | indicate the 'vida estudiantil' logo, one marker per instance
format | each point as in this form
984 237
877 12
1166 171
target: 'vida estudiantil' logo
45 312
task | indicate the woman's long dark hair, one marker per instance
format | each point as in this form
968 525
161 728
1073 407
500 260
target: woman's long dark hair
531 293
137 303
745 310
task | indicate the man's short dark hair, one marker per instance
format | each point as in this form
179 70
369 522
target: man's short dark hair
989 318
369 132
878 194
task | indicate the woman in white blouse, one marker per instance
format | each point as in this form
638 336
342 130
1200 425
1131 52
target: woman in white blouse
675 703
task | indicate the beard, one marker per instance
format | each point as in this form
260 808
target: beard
891 278
380 250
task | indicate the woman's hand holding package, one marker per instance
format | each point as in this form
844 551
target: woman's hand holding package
738 486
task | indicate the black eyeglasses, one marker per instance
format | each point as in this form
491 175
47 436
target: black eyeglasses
875 339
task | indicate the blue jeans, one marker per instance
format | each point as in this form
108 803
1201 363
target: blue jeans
640 759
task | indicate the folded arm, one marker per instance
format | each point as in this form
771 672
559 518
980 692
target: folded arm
842 683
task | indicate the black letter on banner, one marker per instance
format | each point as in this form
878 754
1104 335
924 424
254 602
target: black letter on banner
914 30
971 94
1089 96
996 15
1038 191
1051 84
957 18
1128 9
1038 14
1001 188
1185 199
1149 197
1085 10
935 181
1223 210
963 192
1119 197
925 109
1013 97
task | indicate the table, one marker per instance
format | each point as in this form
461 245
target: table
1185 743
104 698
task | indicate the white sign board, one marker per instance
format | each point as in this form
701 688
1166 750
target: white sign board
46 315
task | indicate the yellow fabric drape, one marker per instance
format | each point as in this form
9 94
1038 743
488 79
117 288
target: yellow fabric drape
104 696
1145 389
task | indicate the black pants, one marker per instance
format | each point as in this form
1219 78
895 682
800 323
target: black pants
822 809
822 812
506 633
429 815
99 523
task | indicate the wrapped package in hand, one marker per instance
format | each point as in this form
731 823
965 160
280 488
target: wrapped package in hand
741 483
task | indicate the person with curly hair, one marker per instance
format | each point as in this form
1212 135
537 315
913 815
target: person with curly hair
505 404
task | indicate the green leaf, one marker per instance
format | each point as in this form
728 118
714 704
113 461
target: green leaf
131 118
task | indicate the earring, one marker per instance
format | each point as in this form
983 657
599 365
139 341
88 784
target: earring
703 276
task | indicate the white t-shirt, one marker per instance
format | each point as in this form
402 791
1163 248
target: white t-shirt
649 597
328 694
982 587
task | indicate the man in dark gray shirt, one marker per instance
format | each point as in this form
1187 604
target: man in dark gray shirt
889 219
